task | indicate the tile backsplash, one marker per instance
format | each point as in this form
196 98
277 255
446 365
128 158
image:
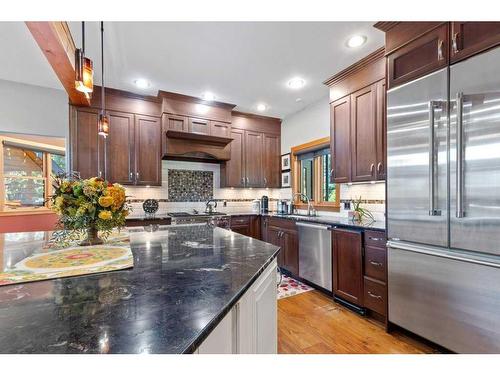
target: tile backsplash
179 192
190 186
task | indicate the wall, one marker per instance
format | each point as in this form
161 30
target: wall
311 123
32 110
237 200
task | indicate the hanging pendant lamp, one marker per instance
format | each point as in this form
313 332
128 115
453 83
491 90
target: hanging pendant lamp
84 69
103 127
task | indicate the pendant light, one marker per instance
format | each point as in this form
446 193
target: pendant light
103 127
84 69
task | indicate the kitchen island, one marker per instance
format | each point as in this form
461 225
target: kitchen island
192 289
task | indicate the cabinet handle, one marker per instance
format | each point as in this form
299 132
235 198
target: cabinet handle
454 43
131 176
265 181
99 174
440 50
137 175
243 181
375 238
376 296
379 167
372 169
248 183
376 264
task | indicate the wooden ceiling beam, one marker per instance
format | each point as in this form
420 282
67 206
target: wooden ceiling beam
56 43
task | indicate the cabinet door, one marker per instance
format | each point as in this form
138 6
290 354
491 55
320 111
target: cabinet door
120 148
340 138
220 129
422 56
273 236
381 111
200 126
232 171
291 248
222 339
272 161
87 148
363 134
147 150
174 122
348 265
469 38
253 159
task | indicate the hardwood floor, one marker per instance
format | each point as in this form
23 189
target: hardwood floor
312 323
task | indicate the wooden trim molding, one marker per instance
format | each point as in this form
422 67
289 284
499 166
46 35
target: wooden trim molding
193 99
295 171
357 66
56 43
385 25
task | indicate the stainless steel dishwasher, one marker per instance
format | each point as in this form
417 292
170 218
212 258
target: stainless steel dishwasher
315 254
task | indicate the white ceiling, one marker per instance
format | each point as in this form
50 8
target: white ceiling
244 63
21 59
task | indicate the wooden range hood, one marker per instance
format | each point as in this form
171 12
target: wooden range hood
193 146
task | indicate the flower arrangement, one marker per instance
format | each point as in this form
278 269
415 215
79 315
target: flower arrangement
88 206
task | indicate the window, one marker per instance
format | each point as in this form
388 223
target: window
25 171
311 168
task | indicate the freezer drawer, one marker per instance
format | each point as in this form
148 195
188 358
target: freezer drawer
449 299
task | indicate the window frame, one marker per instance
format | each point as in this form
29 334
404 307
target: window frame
317 202
47 176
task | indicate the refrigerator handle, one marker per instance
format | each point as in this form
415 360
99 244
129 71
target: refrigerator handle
459 156
432 161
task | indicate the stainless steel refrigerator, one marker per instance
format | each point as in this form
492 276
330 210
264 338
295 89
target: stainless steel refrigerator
443 205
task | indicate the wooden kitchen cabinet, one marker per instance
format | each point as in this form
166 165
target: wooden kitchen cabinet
233 170
86 146
120 144
348 265
220 129
283 233
199 126
470 38
271 162
421 56
357 121
340 138
253 157
363 134
147 150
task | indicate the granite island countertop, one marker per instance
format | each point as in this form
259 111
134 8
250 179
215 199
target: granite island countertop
184 280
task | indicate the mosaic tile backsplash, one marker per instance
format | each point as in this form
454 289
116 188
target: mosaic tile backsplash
190 186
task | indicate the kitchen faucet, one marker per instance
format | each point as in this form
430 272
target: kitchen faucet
209 208
310 208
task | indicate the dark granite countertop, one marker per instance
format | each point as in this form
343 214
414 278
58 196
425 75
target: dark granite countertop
184 280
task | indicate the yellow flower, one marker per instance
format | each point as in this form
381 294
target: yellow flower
106 201
59 201
105 215
125 213
118 193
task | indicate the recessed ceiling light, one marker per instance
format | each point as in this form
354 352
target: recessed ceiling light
208 96
356 41
261 107
298 100
296 83
142 83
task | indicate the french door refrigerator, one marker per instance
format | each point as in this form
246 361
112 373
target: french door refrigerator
443 205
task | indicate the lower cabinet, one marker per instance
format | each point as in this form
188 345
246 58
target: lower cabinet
246 225
348 265
283 233
251 326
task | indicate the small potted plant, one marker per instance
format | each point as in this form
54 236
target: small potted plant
359 213
87 206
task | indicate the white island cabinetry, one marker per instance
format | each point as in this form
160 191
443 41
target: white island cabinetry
251 326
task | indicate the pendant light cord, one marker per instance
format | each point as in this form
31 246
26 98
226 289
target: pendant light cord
83 37
102 67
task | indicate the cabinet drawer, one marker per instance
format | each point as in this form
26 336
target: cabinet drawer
282 223
240 220
375 296
375 263
375 238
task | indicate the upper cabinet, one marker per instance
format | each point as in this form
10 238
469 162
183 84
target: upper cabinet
415 49
357 120
255 152
131 153
469 38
